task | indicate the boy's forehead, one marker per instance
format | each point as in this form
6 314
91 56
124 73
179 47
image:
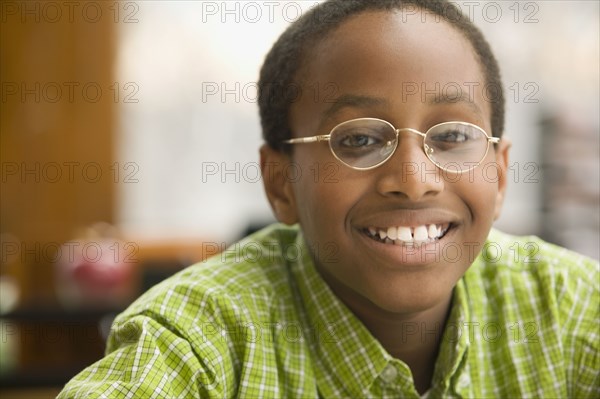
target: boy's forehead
428 57
392 35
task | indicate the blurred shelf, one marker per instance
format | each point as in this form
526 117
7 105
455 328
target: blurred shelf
52 344
29 393
55 313
38 378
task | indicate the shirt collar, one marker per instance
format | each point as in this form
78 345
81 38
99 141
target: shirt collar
451 360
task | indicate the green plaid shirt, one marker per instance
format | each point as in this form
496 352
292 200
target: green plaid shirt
258 322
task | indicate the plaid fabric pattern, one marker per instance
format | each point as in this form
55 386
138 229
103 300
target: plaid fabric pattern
257 321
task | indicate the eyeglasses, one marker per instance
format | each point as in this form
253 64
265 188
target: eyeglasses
367 143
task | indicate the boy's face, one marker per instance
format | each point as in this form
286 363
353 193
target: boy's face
398 68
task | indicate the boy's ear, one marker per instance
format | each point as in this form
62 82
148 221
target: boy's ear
502 162
279 190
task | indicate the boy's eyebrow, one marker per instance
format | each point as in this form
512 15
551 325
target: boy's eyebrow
445 98
362 101
352 100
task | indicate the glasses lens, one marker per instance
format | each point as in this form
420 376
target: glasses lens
363 143
456 146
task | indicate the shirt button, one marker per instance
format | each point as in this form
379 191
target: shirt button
389 373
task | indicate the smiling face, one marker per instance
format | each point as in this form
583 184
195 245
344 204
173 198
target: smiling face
413 74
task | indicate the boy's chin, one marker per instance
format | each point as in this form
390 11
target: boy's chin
411 300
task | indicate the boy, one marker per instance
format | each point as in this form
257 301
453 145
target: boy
386 279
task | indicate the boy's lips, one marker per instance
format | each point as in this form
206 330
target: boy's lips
415 253
409 228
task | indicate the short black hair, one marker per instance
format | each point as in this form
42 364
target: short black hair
277 88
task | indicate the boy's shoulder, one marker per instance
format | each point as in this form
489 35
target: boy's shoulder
529 256
525 281
527 267
208 330
253 271
532 302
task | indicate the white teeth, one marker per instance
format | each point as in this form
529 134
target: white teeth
420 233
392 233
404 234
432 231
401 235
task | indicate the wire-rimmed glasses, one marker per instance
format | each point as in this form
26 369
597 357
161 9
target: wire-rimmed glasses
366 143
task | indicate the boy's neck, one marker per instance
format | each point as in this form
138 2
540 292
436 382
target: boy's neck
413 338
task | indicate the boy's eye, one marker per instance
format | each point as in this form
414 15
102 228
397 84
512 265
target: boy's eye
452 136
357 141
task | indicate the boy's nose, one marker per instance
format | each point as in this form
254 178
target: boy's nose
409 173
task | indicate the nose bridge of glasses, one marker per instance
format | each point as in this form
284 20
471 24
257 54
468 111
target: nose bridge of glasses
408 129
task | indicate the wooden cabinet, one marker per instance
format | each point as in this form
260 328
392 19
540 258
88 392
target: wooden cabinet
57 123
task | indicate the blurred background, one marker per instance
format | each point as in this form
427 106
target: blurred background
129 150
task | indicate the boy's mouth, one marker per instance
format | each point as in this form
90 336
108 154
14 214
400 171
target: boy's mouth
409 236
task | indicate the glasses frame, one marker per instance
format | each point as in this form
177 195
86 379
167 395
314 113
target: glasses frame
327 137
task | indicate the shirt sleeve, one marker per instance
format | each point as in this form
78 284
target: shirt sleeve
145 359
